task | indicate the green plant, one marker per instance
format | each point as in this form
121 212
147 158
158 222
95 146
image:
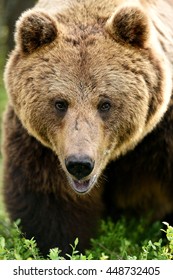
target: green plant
13 245
123 240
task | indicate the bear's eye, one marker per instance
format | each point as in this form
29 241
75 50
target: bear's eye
104 106
61 105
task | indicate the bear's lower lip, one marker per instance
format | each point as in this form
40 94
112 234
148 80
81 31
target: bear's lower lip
82 187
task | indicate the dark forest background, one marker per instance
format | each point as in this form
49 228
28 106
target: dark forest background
10 10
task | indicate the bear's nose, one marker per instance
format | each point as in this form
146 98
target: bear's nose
79 166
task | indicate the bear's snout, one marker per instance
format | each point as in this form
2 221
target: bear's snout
79 166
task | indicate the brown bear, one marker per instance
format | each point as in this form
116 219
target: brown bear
88 132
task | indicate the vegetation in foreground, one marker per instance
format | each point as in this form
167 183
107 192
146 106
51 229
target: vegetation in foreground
124 240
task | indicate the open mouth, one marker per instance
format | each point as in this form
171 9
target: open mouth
82 186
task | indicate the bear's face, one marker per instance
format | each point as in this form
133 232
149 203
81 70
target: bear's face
90 94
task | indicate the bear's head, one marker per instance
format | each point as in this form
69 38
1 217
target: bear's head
89 91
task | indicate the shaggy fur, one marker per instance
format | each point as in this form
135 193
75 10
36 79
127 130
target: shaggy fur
88 130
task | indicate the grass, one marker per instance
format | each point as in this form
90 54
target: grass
124 240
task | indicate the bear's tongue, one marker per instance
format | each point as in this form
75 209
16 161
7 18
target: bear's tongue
81 187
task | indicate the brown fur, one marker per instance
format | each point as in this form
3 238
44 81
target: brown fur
88 80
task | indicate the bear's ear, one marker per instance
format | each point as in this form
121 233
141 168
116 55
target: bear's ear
129 25
33 30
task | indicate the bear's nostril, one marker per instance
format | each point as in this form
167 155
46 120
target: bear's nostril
79 166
